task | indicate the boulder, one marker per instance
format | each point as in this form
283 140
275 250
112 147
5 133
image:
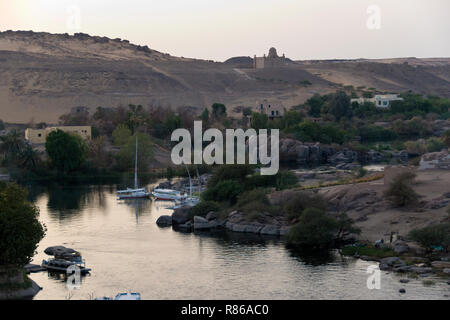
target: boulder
344 156
201 223
446 271
253 228
270 230
440 264
421 270
212 216
284 230
181 215
164 221
435 160
198 219
392 261
401 247
185 226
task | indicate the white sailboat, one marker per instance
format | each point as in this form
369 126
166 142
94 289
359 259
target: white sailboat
134 193
191 200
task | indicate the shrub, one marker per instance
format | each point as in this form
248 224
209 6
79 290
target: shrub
227 190
258 195
435 235
67 151
237 172
400 191
435 145
20 229
203 208
314 230
295 206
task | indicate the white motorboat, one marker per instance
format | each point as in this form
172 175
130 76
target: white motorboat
134 193
168 194
123 296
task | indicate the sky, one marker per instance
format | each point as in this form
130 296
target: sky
220 29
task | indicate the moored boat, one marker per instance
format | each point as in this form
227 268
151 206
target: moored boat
64 258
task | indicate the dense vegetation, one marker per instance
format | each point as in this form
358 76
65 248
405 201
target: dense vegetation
432 236
20 229
400 191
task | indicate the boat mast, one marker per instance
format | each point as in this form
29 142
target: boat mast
199 182
190 182
135 166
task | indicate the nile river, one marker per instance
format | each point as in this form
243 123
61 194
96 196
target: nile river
127 251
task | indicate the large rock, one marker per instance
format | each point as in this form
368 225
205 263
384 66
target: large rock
181 215
440 264
270 230
211 216
401 247
344 156
164 221
435 160
392 261
201 223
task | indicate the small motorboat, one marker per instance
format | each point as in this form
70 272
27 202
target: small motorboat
123 296
63 259
168 194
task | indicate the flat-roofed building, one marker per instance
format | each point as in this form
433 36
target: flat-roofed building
380 100
271 109
38 136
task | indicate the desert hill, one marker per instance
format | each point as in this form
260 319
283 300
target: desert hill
44 75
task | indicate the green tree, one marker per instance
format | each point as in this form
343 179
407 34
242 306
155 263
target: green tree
121 135
11 146
67 152
339 106
2 125
400 191
126 156
247 112
315 104
259 121
447 138
434 235
205 116
314 230
227 190
219 110
20 229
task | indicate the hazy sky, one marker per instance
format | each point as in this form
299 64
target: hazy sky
219 29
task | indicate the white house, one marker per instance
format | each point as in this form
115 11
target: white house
380 100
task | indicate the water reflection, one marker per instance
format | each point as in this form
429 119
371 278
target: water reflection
126 250
138 207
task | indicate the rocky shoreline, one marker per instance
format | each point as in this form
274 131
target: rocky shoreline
235 222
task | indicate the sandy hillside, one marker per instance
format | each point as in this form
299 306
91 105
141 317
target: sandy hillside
44 75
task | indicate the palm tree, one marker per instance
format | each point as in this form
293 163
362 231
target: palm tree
12 145
29 157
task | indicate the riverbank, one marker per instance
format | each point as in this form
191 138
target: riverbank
16 285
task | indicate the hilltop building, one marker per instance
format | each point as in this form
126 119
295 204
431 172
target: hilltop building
380 100
38 136
270 61
272 110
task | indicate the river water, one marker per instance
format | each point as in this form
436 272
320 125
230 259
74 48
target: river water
127 251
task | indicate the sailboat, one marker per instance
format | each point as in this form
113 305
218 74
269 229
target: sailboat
134 193
191 200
